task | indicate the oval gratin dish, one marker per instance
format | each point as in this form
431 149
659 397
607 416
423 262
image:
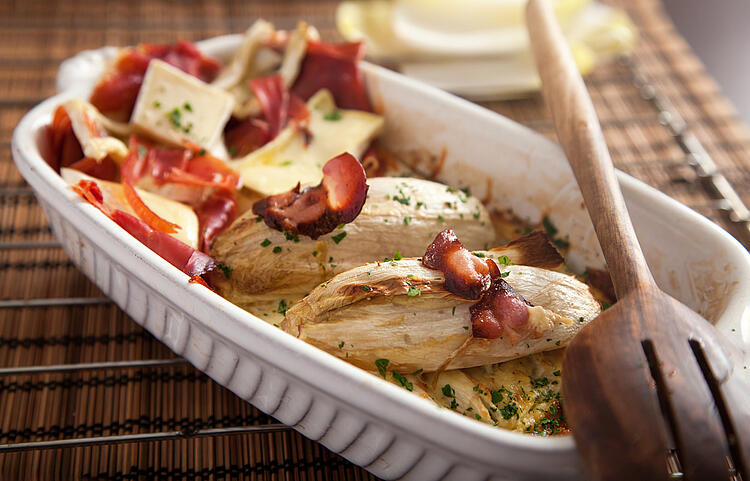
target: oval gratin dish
371 422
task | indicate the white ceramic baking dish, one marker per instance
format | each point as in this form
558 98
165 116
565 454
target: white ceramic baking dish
389 431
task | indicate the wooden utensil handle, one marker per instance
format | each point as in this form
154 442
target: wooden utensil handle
583 142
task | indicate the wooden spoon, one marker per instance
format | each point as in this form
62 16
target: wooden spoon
649 380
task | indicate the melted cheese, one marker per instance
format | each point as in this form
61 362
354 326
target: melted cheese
167 209
280 164
173 106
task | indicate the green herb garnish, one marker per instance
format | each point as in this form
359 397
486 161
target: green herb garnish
403 381
381 364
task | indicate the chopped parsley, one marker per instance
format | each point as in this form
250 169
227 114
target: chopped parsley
225 269
504 260
407 220
366 288
441 218
403 381
556 373
339 237
277 249
397 256
188 107
175 116
505 274
265 243
413 291
291 236
258 219
448 391
333 115
418 371
539 382
341 344
497 397
479 254
509 410
453 311
381 364
282 308
403 199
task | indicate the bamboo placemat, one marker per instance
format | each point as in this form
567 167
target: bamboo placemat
37 35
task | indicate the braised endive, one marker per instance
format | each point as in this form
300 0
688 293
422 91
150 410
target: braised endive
402 311
400 217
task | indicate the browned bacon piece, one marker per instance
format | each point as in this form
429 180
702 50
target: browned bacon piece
500 307
471 277
466 275
315 211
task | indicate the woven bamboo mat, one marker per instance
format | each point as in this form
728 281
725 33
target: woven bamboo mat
36 36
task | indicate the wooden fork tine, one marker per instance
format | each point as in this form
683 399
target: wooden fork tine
698 431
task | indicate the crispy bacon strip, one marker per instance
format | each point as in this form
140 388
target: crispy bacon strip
315 211
466 275
145 214
336 68
214 215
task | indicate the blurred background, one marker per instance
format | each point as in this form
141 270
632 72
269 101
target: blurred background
718 33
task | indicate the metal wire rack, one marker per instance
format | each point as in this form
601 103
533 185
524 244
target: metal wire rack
695 155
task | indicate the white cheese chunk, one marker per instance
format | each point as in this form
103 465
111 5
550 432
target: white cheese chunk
280 164
167 209
173 106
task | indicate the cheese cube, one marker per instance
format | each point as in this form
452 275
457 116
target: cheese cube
173 106
290 158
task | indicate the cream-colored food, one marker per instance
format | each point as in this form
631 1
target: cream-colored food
298 156
167 209
90 128
173 106
400 214
402 311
